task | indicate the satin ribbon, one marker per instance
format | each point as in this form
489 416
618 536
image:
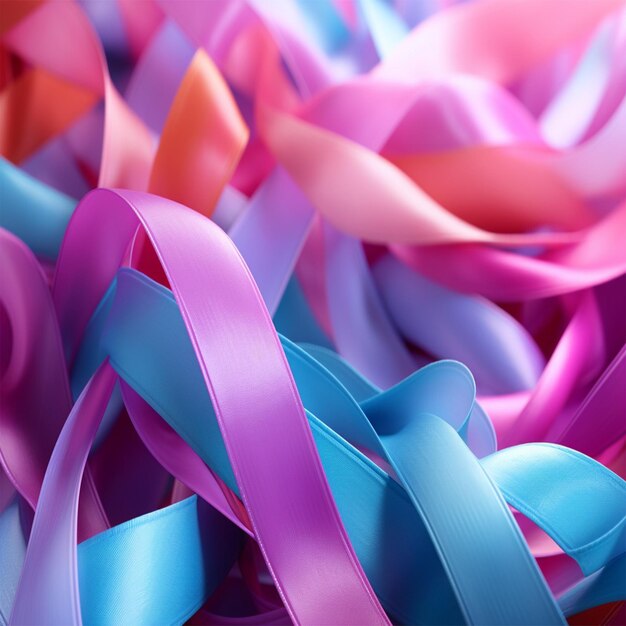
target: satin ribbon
440 136
35 212
131 353
35 388
123 211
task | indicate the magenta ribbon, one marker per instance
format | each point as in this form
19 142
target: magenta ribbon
407 169
228 317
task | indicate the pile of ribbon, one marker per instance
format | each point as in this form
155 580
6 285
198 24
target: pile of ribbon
313 312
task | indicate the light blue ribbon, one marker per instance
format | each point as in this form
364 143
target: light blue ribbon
160 366
34 211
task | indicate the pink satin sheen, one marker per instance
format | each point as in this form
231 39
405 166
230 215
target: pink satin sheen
504 276
604 399
178 458
576 358
358 182
96 242
35 390
490 38
51 35
484 152
52 545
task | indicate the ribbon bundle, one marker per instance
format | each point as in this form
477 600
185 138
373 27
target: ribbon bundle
336 333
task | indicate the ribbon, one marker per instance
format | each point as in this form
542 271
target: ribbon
266 393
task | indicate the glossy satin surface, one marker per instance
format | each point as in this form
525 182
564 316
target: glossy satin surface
312 312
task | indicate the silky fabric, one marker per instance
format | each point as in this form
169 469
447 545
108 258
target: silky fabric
72 322
392 211
185 431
